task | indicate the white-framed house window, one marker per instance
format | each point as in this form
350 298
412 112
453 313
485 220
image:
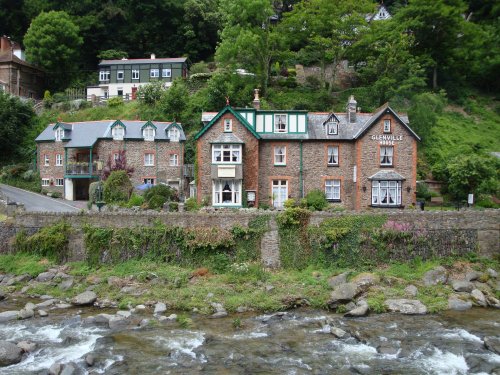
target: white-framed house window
165 73
119 75
59 181
148 133
333 155
333 128
45 182
154 73
149 181
332 190
226 154
135 74
104 75
173 134
280 155
386 155
386 193
59 134
149 160
280 123
387 126
226 192
116 157
174 160
46 160
59 162
280 192
228 125
118 132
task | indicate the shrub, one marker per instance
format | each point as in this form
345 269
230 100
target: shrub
29 175
156 202
313 82
316 200
115 102
93 198
164 191
117 188
423 191
151 93
173 206
135 200
191 204
289 203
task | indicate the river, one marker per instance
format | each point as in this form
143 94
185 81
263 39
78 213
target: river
294 342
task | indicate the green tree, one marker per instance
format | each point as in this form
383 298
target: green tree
53 42
151 93
424 112
16 119
175 99
112 54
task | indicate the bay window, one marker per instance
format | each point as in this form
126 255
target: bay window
386 193
226 154
227 192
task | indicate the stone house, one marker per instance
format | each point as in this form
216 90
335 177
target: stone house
248 156
123 77
17 76
72 155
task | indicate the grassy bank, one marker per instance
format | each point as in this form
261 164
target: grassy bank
243 285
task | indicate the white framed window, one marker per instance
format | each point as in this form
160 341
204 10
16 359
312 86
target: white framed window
59 162
333 155
174 160
149 160
280 124
116 157
386 155
227 192
333 128
226 154
149 181
386 193
387 126
280 155
173 134
119 91
280 192
154 73
104 75
45 182
332 190
135 74
228 125
166 73
46 160
59 181
118 132
148 133
59 134
119 75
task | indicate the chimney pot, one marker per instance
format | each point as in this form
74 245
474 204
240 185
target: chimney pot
256 100
153 56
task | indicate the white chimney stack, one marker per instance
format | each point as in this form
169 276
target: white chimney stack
153 56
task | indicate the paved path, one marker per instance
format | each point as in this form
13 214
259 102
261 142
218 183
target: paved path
34 201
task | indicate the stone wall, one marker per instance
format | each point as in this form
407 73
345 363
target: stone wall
480 228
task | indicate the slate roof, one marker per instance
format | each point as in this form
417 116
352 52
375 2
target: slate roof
387 175
8 57
227 138
86 134
164 60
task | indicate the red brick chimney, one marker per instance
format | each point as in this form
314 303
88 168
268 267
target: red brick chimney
4 44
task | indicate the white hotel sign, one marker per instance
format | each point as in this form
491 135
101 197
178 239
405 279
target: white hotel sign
386 139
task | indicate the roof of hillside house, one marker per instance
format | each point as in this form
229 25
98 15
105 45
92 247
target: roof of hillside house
85 134
11 58
163 60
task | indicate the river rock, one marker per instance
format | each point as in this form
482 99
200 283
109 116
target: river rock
357 312
478 297
90 360
492 273
438 275
406 306
338 279
45 276
26 313
337 332
43 313
68 369
8 315
387 349
62 306
140 307
366 280
492 343
85 298
462 286
9 353
46 297
219 314
66 284
27 346
103 318
2 295
124 313
117 322
160 308
492 301
473 275
458 305
55 369
411 290
342 294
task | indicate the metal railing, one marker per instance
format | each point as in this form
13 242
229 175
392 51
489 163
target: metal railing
81 168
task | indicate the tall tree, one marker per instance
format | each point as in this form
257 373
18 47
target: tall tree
53 42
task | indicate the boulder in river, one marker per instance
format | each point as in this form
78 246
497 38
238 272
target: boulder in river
458 305
338 332
406 306
357 312
338 279
462 286
160 308
9 353
478 297
365 280
26 313
27 346
492 343
55 369
342 294
438 275
85 298
8 315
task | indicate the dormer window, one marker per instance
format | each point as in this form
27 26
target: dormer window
333 128
387 126
173 134
118 132
148 133
280 125
59 134
228 125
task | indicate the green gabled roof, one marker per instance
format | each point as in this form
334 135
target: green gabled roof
62 125
118 122
241 119
149 123
173 124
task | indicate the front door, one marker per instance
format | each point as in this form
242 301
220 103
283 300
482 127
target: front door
134 93
280 193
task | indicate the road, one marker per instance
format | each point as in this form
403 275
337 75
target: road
34 201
